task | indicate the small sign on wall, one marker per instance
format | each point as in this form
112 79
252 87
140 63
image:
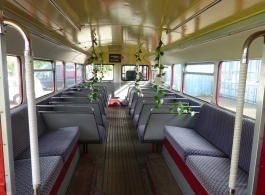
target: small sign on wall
117 58
114 57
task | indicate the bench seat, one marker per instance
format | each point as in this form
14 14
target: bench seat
213 174
58 142
188 142
50 168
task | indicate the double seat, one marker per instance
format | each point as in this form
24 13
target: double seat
202 154
58 152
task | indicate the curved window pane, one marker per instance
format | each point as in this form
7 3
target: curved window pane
108 70
177 77
69 74
59 75
198 81
14 81
79 69
228 86
128 72
167 77
43 77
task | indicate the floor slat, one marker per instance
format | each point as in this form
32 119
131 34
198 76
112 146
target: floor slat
121 172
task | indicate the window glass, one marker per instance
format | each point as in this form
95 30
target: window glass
107 68
128 72
228 86
176 77
14 80
167 77
59 76
43 77
69 74
198 81
79 69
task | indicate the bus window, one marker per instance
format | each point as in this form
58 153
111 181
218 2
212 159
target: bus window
69 74
128 72
79 71
228 86
167 78
43 77
108 70
198 80
59 75
14 80
176 83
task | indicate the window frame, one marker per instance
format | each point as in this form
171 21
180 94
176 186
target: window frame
103 80
141 65
52 70
19 83
185 72
181 77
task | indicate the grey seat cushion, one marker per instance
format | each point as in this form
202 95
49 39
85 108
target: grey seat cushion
20 129
135 120
140 131
104 120
101 130
50 168
213 174
188 142
131 112
58 142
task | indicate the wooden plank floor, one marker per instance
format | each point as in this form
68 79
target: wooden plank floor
121 173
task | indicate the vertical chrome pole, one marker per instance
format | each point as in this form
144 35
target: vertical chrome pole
5 114
239 111
33 132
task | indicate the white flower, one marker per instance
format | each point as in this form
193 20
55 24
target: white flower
158 81
178 109
192 113
185 111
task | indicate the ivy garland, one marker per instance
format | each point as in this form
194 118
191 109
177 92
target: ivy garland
90 85
138 73
101 68
158 82
158 79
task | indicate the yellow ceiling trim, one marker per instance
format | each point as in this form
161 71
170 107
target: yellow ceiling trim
56 35
214 27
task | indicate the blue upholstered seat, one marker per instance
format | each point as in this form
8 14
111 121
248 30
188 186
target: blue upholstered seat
104 120
58 142
135 120
50 168
131 112
189 142
213 174
101 130
140 131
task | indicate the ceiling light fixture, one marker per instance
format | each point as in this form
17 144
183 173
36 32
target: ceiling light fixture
77 26
194 16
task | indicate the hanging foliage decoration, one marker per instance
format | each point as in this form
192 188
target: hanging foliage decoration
158 82
158 79
101 70
138 73
93 96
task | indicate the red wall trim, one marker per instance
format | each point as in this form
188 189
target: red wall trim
191 179
64 170
2 166
261 175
